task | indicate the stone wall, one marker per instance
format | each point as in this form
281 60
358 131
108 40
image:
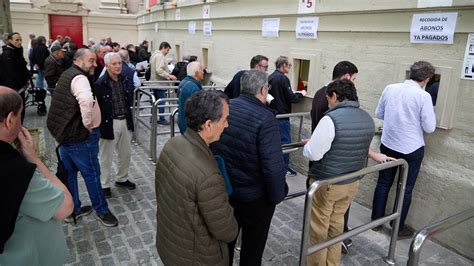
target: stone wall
375 36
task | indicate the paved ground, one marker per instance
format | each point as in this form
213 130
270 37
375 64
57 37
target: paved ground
132 242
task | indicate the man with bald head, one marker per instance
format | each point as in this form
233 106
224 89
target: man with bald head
187 87
73 120
32 200
114 93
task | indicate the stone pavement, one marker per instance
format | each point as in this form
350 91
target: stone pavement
132 242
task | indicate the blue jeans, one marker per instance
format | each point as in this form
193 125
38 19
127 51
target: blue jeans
40 79
386 178
285 135
160 94
83 157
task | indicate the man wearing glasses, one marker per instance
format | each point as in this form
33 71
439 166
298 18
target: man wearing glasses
283 98
258 62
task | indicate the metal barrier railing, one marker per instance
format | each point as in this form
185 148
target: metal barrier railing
431 230
160 103
172 121
301 115
137 108
305 251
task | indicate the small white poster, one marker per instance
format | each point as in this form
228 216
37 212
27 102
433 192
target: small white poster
468 66
192 27
157 27
431 3
206 11
306 6
207 28
307 28
434 28
270 27
178 14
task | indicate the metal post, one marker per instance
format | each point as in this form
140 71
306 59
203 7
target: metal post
307 217
154 124
172 120
390 259
300 128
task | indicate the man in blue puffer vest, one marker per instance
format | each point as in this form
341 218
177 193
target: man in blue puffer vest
251 148
187 87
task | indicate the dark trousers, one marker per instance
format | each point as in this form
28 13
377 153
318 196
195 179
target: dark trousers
386 178
160 94
254 218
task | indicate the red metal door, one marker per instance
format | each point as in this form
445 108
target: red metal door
66 26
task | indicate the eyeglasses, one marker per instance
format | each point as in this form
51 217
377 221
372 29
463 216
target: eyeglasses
264 66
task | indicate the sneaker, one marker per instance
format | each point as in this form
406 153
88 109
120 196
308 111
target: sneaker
85 210
107 219
107 193
290 172
126 184
405 233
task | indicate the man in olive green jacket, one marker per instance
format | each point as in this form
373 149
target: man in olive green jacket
194 218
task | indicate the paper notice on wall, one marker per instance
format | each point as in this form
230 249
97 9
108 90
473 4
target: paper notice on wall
207 28
434 28
468 66
206 11
157 27
431 3
270 27
178 14
192 27
307 28
306 6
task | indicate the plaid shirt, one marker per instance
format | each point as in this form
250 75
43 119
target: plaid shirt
119 107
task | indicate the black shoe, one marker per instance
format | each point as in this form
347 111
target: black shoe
107 219
164 123
85 210
126 184
107 193
405 233
290 172
348 242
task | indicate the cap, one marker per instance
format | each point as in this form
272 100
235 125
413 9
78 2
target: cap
55 48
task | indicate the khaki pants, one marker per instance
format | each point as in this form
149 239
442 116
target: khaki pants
327 220
122 144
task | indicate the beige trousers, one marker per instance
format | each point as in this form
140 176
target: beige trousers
327 220
122 144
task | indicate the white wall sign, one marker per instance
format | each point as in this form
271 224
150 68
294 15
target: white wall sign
270 27
435 28
306 6
468 66
207 28
192 27
430 3
178 14
157 27
206 11
307 28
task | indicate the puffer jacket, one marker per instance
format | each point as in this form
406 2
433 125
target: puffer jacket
14 73
194 218
251 148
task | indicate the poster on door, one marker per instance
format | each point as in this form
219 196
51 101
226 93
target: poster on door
306 6
468 66
433 28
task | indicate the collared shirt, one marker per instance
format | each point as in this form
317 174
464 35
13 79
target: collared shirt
90 111
407 111
136 80
119 107
321 140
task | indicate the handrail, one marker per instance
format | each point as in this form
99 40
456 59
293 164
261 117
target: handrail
301 115
428 231
390 259
154 123
172 120
137 95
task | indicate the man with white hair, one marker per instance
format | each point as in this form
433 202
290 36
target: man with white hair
114 94
187 87
128 70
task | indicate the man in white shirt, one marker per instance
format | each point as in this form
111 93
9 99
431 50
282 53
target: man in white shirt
160 71
407 111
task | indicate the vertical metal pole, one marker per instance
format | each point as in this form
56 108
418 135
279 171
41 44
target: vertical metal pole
390 259
137 114
172 120
154 122
306 222
134 113
301 128
415 247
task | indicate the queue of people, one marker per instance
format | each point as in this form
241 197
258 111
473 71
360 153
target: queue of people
198 221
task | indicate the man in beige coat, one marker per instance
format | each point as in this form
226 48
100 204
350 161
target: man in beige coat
194 218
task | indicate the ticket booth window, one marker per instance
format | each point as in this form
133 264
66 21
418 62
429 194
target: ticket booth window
205 57
432 87
301 71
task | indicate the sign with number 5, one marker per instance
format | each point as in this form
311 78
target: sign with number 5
306 6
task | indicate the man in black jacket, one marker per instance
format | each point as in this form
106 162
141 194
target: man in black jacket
284 97
40 53
53 67
252 151
114 94
258 62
